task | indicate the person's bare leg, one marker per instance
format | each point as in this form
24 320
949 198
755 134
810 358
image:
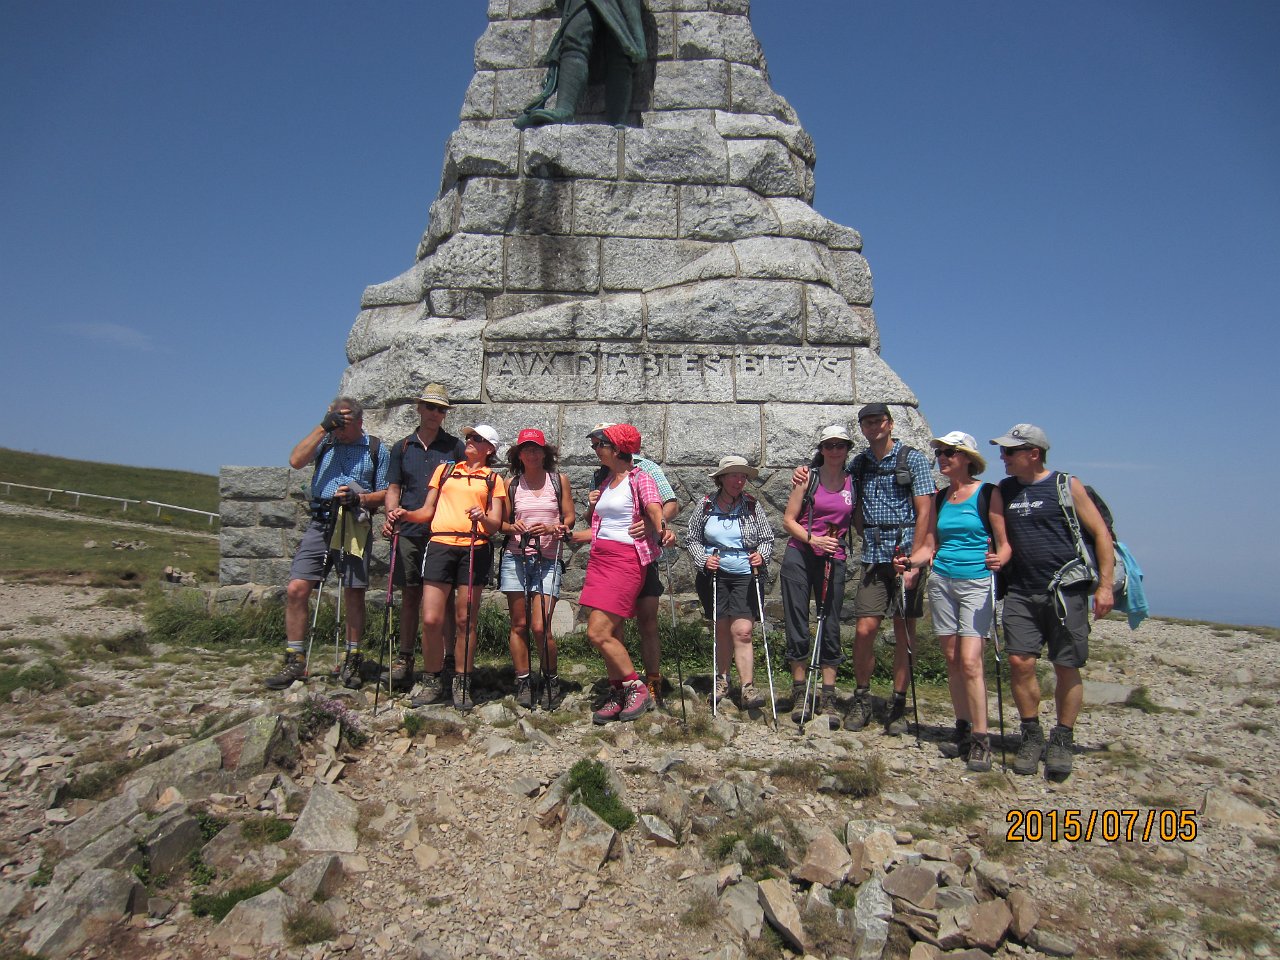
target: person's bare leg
1025 686
517 639
435 596
1069 694
974 683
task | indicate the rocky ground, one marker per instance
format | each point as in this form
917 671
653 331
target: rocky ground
448 837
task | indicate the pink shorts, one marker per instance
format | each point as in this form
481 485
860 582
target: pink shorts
614 578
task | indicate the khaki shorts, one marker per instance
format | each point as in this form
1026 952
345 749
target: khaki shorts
878 592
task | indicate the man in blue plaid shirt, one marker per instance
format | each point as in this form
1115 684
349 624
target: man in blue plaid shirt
895 504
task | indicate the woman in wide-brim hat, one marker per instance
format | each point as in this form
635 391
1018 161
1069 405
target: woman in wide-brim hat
539 515
968 531
616 567
731 543
813 564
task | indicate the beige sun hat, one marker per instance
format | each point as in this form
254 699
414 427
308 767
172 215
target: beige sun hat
735 464
435 393
965 444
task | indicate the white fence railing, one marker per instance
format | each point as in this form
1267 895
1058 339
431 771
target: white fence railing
123 501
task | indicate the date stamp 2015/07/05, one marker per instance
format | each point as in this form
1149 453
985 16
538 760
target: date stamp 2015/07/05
1112 824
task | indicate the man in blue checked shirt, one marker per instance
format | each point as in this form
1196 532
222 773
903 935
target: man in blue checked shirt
895 503
351 473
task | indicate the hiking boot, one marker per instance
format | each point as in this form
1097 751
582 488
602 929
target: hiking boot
610 709
462 701
524 692
431 691
859 714
349 675
1057 755
294 668
550 694
961 742
721 687
799 710
979 754
635 701
789 700
402 671
1027 759
895 725
827 706
750 697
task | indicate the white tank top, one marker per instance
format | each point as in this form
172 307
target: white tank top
616 510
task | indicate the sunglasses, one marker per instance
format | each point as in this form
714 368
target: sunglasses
835 445
474 438
597 444
946 451
431 406
1010 451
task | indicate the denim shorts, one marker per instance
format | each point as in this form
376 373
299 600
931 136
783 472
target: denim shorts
544 573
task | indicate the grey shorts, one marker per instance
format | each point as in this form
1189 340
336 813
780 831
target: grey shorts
960 607
1030 622
309 561
878 592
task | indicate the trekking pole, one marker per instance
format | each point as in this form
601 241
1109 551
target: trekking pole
342 578
768 663
386 622
528 593
715 611
995 641
466 637
311 634
810 707
546 603
906 630
684 715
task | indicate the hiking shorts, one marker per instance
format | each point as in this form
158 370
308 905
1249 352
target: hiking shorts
309 560
445 564
543 573
878 592
735 595
960 608
652 586
1031 622
409 550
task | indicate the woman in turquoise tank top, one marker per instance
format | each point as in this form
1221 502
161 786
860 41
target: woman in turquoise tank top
960 597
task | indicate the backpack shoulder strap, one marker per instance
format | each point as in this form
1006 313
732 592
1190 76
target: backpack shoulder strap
984 508
557 489
490 480
806 502
1068 506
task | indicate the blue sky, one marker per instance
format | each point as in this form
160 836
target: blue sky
1072 212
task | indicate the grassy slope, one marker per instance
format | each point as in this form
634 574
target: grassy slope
196 490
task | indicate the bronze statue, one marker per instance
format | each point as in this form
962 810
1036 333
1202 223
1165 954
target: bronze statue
612 26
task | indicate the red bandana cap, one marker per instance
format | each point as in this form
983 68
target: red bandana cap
624 437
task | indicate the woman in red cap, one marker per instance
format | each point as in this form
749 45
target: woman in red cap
539 515
615 570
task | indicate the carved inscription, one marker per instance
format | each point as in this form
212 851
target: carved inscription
693 374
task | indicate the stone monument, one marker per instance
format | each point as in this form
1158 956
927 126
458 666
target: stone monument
670 272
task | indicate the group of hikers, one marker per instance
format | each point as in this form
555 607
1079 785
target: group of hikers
1036 539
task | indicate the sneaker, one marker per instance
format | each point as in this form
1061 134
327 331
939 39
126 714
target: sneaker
722 688
979 754
961 742
859 714
750 697
610 709
1030 750
431 691
524 692
462 701
1057 755
402 671
827 705
294 668
895 725
635 701
349 675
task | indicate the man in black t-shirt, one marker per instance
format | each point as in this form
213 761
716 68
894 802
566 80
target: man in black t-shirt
413 460
1034 615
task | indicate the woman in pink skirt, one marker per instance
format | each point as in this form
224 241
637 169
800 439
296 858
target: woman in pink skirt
616 568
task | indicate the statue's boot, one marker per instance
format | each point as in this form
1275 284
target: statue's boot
571 82
617 90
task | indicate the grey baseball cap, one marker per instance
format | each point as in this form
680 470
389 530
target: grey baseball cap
1023 434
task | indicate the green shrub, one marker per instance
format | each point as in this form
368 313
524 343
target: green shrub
264 830
319 714
589 779
42 676
218 905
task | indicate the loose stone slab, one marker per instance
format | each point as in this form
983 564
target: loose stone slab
327 822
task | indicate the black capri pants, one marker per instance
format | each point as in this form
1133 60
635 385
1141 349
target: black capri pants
801 579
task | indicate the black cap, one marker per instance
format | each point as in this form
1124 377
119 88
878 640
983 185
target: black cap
874 410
